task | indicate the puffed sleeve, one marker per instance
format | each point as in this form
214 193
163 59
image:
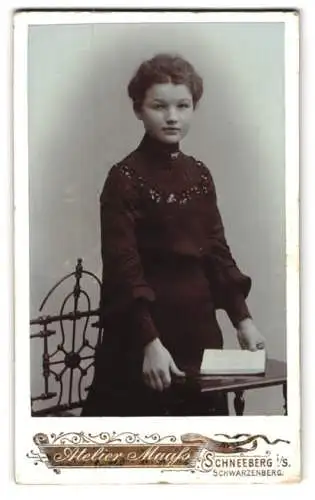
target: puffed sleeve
123 286
229 285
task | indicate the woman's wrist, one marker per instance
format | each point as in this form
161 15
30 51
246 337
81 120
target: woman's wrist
146 328
153 344
244 322
237 309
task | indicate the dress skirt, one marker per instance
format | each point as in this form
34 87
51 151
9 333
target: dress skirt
184 316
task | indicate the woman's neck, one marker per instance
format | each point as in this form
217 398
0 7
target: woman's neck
159 149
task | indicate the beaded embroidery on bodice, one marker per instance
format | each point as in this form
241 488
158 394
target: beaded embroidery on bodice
181 198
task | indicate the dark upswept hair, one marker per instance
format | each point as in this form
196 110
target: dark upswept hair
164 68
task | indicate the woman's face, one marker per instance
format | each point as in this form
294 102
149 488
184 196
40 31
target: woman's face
167 111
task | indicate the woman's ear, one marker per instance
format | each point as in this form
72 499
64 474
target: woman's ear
137 110
138 113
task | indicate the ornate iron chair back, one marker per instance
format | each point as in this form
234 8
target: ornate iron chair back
68 341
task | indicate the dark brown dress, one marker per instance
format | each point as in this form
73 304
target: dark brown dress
166 270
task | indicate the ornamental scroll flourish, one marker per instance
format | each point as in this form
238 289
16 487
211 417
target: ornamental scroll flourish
190 452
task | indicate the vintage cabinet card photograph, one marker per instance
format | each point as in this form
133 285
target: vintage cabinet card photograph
156 294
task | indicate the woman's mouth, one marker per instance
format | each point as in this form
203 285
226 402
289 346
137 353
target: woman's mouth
171 130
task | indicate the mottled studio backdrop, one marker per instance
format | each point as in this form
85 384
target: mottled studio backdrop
81 122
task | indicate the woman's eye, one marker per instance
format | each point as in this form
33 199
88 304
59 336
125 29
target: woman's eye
165 106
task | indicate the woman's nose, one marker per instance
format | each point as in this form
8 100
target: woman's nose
171 116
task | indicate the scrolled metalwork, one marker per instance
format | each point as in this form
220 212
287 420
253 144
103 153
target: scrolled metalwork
67 356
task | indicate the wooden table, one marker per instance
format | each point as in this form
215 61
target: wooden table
276 374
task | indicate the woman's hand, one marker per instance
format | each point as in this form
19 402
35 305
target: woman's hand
158 366
249 336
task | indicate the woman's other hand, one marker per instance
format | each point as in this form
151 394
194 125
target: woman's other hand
249 336
158 366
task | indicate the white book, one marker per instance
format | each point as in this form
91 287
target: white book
233 362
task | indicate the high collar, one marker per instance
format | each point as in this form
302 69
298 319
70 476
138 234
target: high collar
159 151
